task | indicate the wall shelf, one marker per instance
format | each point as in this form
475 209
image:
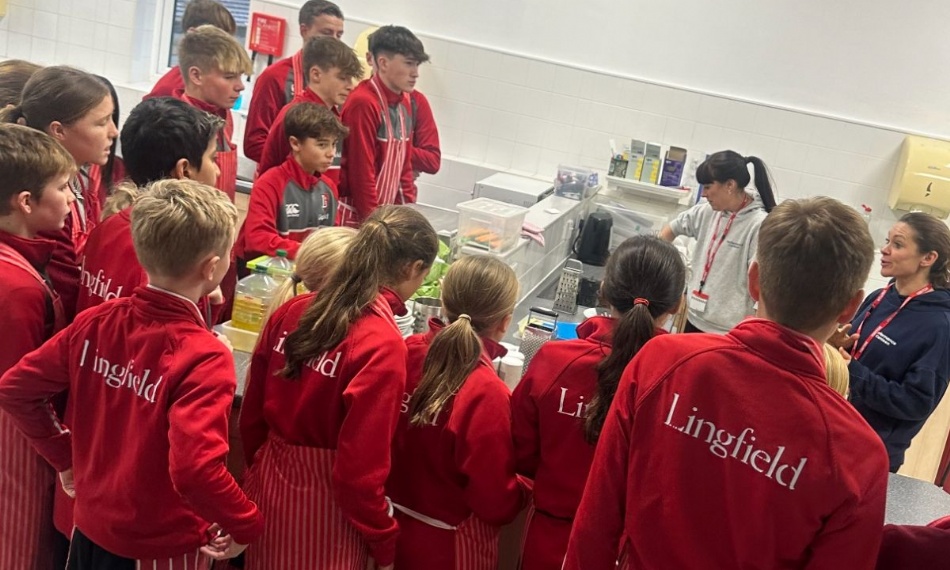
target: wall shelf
647 190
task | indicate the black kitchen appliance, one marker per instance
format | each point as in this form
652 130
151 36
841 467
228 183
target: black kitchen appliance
593 245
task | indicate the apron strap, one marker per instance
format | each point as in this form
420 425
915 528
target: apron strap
423 518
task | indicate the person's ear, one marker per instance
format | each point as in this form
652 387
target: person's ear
755 290
194 75
848 313
57 130
22 202
315 75
295 143
181 170
209 266
502 327
929 259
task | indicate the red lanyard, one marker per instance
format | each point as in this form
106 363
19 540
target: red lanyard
710 252
857 351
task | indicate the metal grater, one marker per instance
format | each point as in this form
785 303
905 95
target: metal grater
565 299
537 332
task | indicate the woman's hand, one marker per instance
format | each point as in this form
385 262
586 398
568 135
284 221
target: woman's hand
842 339
66 479
221 546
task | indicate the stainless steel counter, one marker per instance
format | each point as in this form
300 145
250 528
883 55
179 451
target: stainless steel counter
912 501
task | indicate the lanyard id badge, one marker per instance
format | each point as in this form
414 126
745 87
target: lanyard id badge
697 301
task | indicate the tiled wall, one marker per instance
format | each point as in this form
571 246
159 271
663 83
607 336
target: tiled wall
499 111
109 37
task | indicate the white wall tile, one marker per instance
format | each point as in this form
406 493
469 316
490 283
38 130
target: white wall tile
769 121
786 182
531 130
563 108
513 69
541 75
525 158
120 41
19 46
800 129
685 105
461 58
712 111
707 137
478 120
567 81
739 115
101 36
438 51
504 125
764 147
657 100
499 152
21 19
45 25
733 139
3 41
791 155
451 139
43 51
50 6
485 63
678 132
68 7
474 146
103 11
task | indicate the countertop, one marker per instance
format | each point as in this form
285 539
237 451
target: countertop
912 501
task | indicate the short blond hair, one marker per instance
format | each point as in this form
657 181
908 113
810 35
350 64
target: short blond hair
319 255
177 223
124 194
209 48
836 370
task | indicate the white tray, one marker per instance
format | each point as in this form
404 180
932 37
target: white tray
650 190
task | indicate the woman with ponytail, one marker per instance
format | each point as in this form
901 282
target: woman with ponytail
560 405
900 336
453 481
726 229
322 399
75 108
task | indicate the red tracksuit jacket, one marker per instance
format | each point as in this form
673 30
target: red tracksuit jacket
736 445
463 466
167 84
348 400
548 410
365 147
111 270
426 152
150 391
286 205
273 89
277 148
227 151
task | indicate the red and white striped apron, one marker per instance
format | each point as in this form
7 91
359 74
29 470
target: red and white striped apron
475 541
196 561
85 210
227 161
26 479
395 153
292 486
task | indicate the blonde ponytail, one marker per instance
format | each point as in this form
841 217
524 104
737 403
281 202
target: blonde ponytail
319 255
124 194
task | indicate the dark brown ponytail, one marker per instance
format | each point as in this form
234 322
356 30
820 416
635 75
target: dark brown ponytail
389 242
478 293
645 278
728 165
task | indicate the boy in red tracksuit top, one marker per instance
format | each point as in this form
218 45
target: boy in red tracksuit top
197 13
212 62
559 407
319 413
332 67
150 390
453 481
291 201
162 138
377 156
281 82
735 444
34 197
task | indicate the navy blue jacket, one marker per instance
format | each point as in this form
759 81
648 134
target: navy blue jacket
903 373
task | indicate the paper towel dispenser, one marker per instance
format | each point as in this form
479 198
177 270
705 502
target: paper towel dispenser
922 179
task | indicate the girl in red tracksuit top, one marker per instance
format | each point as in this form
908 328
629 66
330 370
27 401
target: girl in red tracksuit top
560 405
453 481
76 108
322 399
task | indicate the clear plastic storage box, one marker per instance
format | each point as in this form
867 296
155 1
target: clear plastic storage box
489 224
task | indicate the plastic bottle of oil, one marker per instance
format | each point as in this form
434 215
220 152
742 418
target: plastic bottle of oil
251 298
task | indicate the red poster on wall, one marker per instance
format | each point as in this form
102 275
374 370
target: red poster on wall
267 34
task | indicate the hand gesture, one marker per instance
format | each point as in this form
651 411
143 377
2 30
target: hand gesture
842 339
221 546
66 479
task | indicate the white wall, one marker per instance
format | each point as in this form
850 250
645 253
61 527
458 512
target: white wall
108 37
871 60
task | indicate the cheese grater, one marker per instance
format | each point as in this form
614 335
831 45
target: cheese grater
537 332
565 299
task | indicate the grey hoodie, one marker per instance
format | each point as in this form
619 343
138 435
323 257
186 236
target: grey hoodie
727 284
